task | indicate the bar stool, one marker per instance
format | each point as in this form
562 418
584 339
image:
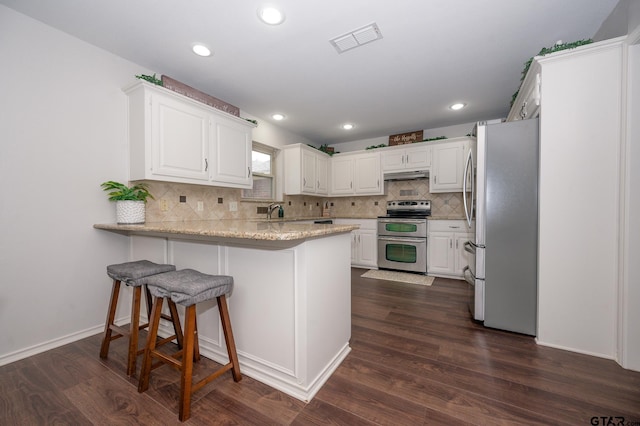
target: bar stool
132 273
187 287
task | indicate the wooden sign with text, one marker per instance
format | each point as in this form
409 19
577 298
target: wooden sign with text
405 138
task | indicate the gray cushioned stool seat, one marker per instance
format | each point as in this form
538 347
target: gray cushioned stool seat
188 287
132 272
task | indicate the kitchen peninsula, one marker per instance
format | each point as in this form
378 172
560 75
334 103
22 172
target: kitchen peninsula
291 304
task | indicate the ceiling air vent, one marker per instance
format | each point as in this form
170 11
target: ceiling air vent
356 38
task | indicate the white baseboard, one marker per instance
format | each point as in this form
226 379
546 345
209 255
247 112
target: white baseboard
566 348
50 344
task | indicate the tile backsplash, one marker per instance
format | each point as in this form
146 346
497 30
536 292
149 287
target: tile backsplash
215 202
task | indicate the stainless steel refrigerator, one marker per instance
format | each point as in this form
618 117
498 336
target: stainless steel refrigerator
504 197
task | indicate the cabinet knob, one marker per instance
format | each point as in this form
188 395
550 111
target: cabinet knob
248 171
206 165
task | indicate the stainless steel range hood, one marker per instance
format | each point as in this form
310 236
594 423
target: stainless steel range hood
407 175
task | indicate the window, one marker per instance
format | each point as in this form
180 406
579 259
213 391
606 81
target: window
263 172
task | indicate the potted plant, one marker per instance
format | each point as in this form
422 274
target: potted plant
130 201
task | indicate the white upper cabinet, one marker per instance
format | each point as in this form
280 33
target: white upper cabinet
447 166
415 157
527 103
342 169
306 170
176 139
231 154
356 174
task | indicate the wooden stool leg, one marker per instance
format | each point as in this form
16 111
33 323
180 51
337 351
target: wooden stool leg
228 337
187 363
145 371
175 319
134 331
149 300
111 314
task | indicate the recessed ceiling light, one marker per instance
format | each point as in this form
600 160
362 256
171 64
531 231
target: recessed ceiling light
270 15
457 106
201 50
347 126
278 117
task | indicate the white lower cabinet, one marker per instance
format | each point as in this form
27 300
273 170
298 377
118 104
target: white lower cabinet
446 256
364 242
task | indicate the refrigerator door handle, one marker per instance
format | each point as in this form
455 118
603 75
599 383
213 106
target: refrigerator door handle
471 280
469 247
475 246
468 168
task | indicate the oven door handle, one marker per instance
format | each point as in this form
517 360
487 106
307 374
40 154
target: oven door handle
403 239
417 221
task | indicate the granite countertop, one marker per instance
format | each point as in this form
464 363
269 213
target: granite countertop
278 230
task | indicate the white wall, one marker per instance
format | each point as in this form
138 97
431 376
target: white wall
270 134
62 133
623 20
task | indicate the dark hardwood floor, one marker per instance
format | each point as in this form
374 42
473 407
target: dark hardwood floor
417 359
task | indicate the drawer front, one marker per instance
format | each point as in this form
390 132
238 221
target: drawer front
448 226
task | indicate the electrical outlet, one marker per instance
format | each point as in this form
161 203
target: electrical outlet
200 206
233 206
164 205
310 206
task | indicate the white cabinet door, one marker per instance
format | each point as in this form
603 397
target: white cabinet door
462 257
440 253
322 174
231 157
416 158
447 170
368 174
367 254
393 160
419 157
308 171
180 136
342 169
447 164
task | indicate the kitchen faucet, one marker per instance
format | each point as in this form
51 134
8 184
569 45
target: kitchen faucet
271 208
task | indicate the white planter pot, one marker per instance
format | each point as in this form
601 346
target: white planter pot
130 212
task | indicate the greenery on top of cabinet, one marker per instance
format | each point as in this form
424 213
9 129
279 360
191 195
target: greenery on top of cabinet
545 51
150 79
325 148
384 145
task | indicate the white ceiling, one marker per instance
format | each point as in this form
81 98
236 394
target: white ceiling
433 53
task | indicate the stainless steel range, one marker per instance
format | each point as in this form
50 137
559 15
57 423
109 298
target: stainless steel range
402 236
